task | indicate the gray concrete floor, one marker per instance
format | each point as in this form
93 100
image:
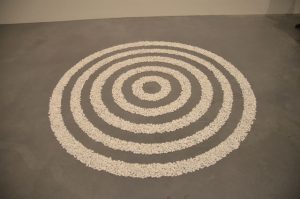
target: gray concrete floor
33 57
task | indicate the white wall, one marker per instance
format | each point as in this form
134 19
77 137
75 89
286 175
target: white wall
23 11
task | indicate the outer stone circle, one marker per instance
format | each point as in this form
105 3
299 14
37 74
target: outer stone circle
101 162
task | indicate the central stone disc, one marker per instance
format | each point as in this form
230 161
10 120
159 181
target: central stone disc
151 87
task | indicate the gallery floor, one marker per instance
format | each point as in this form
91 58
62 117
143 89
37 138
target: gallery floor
153 108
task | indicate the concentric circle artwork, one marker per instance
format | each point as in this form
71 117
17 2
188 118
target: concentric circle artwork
150 99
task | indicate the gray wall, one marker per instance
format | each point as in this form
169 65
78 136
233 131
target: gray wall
23 11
